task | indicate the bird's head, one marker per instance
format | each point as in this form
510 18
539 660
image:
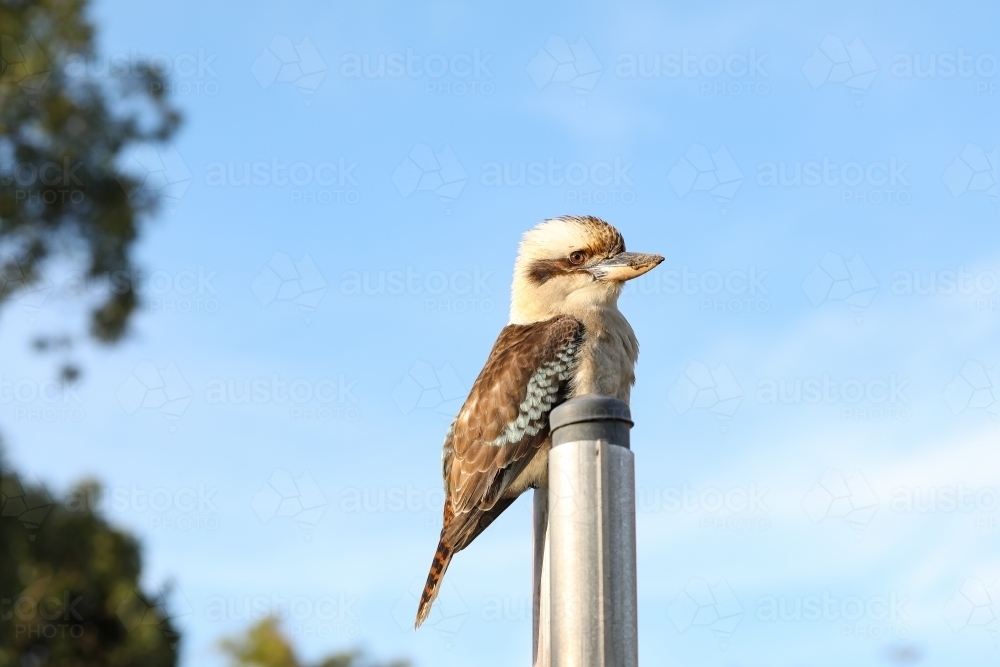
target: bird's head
571 265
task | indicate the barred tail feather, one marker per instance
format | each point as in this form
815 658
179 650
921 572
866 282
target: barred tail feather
442 557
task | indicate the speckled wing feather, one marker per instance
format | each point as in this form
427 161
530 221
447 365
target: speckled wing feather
501 426
505 419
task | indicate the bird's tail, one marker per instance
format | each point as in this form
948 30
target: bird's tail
442 557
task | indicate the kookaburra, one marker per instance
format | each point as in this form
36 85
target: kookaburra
566 337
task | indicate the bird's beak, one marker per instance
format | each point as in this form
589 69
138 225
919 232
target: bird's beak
624 266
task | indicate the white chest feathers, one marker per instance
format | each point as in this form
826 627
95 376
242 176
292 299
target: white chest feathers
608 355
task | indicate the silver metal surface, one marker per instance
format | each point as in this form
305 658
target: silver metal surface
540 638
591 535
584 575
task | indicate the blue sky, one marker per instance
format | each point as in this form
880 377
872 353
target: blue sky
816 399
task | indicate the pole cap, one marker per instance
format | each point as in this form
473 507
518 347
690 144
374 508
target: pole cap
591 417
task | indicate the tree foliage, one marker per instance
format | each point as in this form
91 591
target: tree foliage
264 645
69 581
69 585
64 135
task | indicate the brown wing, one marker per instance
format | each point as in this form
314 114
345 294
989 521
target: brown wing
504 420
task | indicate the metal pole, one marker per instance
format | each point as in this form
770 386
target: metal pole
592 615
541 583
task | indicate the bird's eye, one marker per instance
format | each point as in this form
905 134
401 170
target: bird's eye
577 257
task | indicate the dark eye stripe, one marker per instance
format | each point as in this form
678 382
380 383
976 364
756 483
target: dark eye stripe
543 270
